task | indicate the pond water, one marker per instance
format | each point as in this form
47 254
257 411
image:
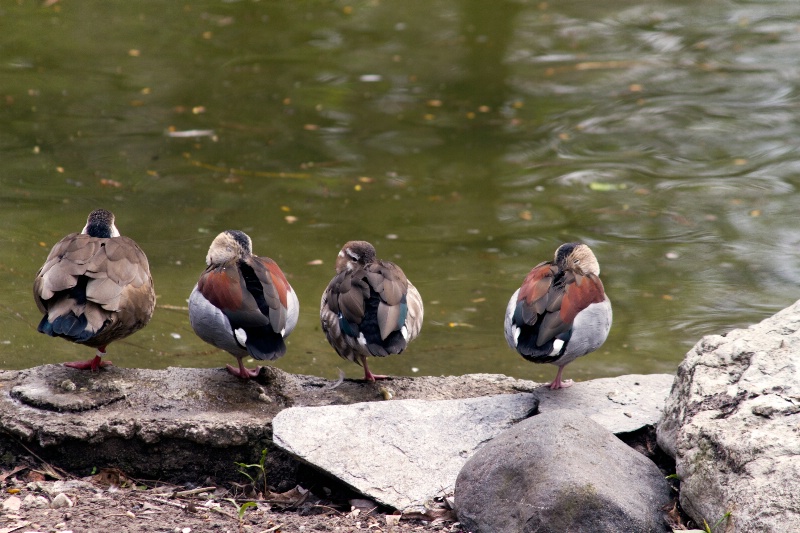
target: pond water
465 139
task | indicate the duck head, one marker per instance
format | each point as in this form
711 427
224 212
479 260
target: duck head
230 245
100 224
355 253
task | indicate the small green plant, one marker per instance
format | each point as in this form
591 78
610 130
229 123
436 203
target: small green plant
710 529
261 472
241 509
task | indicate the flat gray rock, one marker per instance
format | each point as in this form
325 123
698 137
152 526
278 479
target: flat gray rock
403 453
560 471
184 424
732 422
399 453
621 405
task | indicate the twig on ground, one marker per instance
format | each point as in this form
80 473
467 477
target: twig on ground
182 493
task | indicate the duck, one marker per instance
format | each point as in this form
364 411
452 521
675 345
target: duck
94 288
561 311
369 308
243 303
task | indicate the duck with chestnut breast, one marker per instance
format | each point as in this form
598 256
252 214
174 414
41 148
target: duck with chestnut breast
243 303
561 311
370 308
94 288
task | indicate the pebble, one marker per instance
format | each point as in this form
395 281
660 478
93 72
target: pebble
61 500
12 504
36 502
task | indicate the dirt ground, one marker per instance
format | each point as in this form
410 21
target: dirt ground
42 499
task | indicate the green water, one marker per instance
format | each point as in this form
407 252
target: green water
466 140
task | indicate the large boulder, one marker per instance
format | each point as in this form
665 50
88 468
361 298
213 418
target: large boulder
732 422
560 471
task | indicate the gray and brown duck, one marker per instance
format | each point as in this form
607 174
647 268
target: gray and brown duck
243 303
370 308
561 311
94 288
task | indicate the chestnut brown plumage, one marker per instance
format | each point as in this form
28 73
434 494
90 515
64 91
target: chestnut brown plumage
561 311
243 303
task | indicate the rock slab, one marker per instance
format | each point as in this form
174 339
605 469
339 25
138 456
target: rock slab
560 471
184 424
400 453
403 453
732 422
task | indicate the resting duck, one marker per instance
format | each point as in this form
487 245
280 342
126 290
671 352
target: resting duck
369 307
561 311
94 288
243 303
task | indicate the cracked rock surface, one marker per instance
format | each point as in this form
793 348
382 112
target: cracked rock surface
403 453
732 422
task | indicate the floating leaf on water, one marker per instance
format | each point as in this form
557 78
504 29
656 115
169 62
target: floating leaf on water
755 213
315 262
110 183
189 133
290 219
525 215
601 186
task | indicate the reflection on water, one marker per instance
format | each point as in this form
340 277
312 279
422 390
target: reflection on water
466 140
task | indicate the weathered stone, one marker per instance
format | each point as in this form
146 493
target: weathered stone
401 453
61 500
404 452
560 471
732 422
12 504
621 404
182 423
35 502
